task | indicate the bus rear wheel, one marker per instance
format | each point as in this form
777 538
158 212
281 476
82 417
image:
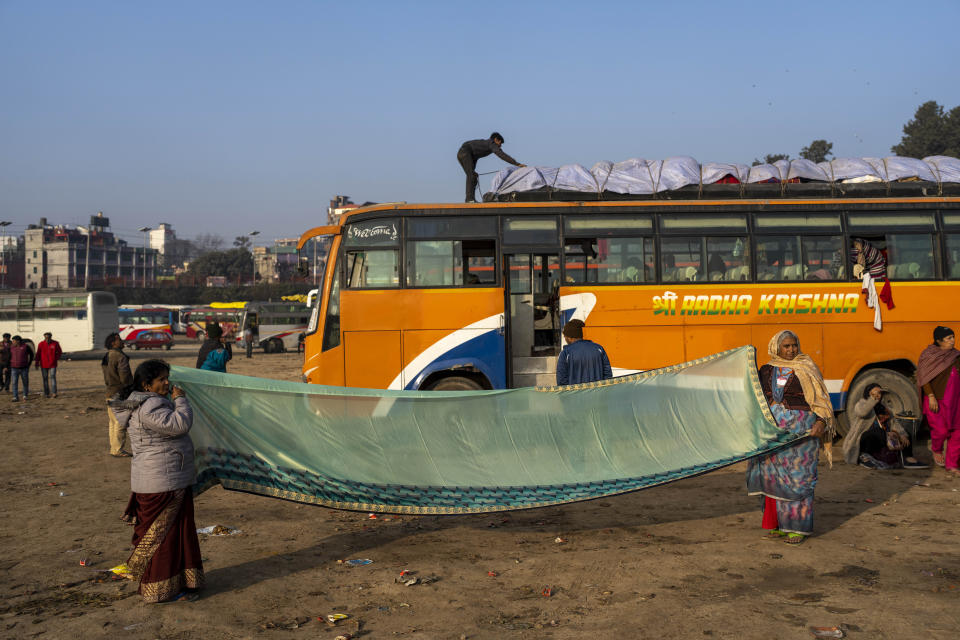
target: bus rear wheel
455 383
273 345
901 396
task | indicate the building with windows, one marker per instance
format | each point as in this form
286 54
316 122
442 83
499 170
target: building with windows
277 263
162 240
11 262
60 257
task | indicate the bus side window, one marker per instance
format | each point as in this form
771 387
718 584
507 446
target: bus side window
823 257
480 262
372 269
608 260
681 259
953 254
910 256
331 325
778 258
728 258
434 263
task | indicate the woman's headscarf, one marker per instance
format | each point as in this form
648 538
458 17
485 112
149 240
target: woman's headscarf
934 360
811 381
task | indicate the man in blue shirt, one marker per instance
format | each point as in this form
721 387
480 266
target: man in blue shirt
581 360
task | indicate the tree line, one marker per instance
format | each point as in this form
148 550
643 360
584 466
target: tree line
931 132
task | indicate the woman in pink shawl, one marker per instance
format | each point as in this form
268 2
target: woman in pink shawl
939 381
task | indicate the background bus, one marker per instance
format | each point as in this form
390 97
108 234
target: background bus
136 320
79 320
276 325
473 296
228 315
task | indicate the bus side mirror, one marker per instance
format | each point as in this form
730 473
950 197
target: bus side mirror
303 266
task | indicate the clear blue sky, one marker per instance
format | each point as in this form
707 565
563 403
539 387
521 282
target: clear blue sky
225 117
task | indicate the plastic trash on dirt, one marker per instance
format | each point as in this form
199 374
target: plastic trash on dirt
218 530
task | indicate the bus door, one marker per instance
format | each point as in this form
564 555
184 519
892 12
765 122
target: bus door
532 317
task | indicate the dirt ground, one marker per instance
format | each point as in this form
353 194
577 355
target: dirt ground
681 561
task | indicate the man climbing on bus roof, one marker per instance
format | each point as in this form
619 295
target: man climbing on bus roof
471 151
581 360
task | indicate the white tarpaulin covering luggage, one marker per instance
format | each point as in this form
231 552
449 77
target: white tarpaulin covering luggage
638 176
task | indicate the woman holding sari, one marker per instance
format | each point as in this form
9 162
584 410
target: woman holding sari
800 403
939 381
166 553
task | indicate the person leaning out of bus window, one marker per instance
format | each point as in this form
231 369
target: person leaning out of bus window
21 355
215 352
581 360
116 376
938 376
48 355
5 345
876 439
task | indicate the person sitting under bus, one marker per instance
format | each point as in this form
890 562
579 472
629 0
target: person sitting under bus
876 439
581 360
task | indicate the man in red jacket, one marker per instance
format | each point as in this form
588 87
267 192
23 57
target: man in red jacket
48 354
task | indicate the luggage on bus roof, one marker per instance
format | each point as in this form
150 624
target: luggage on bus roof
639 176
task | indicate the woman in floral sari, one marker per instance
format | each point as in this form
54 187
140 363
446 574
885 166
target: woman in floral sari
799 401
166 551
939 381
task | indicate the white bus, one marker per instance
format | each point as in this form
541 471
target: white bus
78 320
276 325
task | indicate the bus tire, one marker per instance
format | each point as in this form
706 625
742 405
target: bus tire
901 396
455 383
276 345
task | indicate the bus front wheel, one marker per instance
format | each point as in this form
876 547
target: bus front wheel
901 396
455 383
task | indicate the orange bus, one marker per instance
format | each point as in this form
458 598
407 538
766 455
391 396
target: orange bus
473 296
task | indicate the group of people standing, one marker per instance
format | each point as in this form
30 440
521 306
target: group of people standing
16 356
798 399
800 403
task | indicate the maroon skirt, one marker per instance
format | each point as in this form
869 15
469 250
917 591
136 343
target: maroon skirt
166 550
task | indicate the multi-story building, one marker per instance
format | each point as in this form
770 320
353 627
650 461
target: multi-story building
11 262
162 239
59 257
277 263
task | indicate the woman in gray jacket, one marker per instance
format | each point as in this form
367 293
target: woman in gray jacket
166 553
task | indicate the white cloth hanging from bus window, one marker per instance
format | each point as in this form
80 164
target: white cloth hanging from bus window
873 300
639 176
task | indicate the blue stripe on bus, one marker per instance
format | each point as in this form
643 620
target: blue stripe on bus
486 352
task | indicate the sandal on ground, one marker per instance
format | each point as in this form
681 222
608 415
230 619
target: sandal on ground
938 459
122 454
954 472
184 596
773 534
795 538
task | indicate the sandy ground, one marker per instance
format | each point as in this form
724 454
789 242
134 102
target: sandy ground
680 561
